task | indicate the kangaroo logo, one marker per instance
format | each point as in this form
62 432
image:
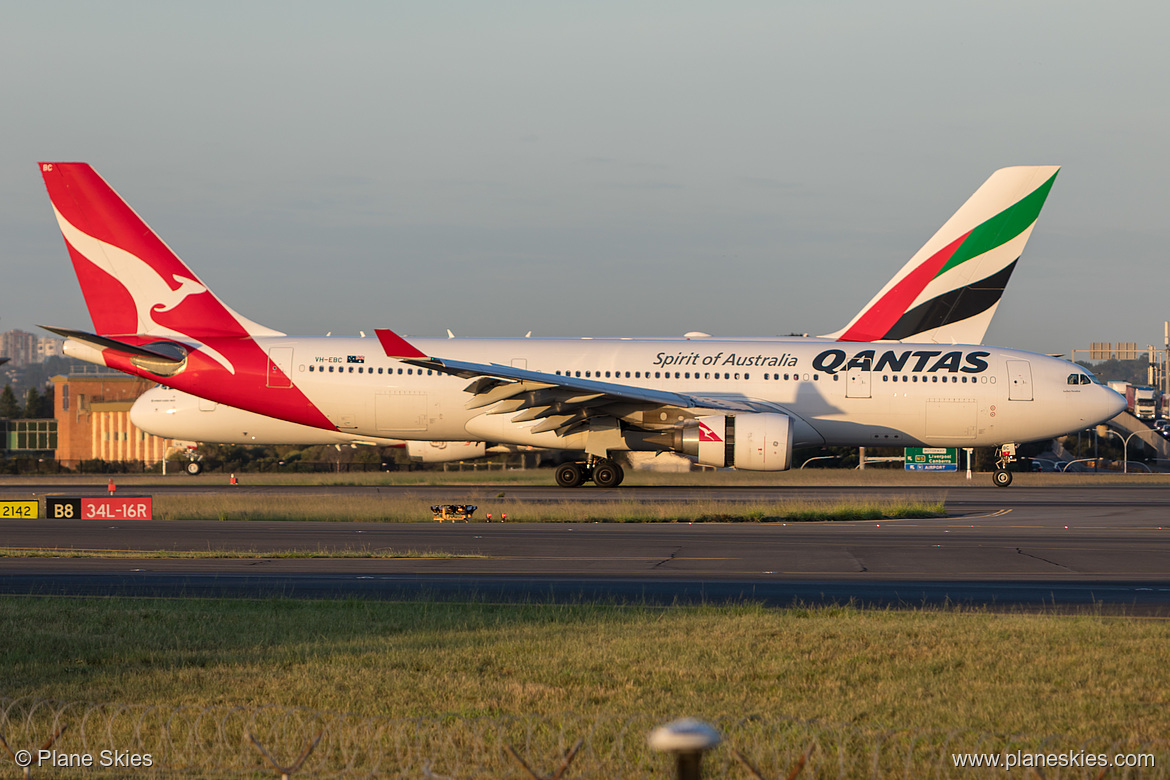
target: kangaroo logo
149 290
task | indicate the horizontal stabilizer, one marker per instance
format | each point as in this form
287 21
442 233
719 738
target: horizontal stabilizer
104 342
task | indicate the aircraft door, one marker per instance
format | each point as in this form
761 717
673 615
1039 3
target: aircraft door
280 367
1019 380
857 383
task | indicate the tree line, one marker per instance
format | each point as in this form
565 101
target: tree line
37 405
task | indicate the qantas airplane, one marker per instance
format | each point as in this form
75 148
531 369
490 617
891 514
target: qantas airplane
923 302
744 403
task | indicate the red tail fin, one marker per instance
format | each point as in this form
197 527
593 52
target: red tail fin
132 282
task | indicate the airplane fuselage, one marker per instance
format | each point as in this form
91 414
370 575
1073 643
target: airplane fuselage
875 394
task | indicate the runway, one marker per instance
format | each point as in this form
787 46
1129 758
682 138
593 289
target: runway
1036 547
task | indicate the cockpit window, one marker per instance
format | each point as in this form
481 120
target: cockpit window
1073 379
1081 379
1085 380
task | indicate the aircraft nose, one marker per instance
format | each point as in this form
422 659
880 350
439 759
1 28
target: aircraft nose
1112 403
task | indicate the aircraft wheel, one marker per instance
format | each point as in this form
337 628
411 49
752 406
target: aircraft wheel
621 473
193 467
570 475
1001 477
607 474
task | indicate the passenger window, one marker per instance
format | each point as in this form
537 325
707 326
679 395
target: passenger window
330 369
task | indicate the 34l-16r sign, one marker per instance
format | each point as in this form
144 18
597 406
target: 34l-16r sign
103 508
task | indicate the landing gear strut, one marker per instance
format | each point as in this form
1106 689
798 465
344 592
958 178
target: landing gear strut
1001 477
603 472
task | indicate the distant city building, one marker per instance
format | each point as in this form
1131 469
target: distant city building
93 420
49 347
27 348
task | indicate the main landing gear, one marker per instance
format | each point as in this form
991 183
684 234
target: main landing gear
1001 477
602 471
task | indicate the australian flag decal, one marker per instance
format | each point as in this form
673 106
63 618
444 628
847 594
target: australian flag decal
355 359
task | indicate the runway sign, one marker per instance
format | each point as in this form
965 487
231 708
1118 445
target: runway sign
23 509
932 459
104 508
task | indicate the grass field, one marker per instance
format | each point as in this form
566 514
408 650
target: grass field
1088 677
379 509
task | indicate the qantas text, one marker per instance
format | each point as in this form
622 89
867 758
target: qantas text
833 360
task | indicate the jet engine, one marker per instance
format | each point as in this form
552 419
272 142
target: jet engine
445 451
758 441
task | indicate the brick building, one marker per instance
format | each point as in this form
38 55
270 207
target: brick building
93 420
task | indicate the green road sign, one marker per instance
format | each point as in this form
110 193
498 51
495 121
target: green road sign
932 459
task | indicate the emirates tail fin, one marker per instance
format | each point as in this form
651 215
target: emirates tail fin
949 290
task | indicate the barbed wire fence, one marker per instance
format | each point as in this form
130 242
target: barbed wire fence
269 741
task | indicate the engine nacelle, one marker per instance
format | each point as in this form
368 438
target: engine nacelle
445 451
758 441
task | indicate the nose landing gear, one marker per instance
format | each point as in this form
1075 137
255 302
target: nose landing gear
1001 477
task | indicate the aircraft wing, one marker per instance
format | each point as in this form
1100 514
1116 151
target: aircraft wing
560 403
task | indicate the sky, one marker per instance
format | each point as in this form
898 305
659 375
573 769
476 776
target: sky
593 169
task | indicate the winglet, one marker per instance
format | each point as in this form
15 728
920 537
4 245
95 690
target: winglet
395 346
